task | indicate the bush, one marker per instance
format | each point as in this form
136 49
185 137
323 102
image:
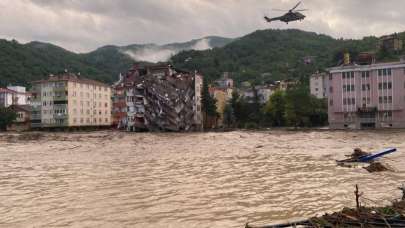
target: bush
251 125
7 116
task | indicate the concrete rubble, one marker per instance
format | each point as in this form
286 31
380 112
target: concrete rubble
161 98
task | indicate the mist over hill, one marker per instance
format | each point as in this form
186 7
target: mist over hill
260 57
22 63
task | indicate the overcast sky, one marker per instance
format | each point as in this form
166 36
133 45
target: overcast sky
84 25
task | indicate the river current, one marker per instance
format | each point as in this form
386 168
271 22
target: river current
112 179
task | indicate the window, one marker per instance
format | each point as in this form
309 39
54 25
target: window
316 89
344 75
389 85
352 74
330 91
390 99
330 75
353 101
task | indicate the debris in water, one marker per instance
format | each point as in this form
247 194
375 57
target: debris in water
389 216
376 167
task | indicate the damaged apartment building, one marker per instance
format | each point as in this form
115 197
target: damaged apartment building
158 98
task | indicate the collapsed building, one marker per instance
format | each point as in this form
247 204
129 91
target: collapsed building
160 98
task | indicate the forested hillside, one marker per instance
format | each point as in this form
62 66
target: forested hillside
272 55
261 56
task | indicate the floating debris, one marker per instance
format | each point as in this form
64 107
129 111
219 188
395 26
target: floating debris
376 167
366 160
390 216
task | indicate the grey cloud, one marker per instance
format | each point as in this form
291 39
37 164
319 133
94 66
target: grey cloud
83 25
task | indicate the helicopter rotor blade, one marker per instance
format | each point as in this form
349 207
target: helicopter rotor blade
296 6
301 10
279 10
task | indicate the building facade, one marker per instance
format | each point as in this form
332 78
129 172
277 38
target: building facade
161 98
13 95
318 84
367 96
391 43
67 100
119 106
23 120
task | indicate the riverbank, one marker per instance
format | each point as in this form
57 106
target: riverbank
388 216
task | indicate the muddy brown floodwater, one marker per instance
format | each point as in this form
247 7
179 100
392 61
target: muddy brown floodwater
111 179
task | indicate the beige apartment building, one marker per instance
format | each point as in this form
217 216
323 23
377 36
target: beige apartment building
67 100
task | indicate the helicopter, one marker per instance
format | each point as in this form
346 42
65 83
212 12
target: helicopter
291 15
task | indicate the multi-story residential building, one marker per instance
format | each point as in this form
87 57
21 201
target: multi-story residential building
391 42
263 93
160 97
225 81
367 96
222 96
13 95
67 100
318 84
119 106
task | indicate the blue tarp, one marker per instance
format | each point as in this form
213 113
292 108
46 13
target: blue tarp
368 158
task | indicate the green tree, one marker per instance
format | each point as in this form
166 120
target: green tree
229 116
239 106
304 110
275 109
298 107
7 116
255 114
208 102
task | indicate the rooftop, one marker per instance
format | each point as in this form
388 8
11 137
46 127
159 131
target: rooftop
373 66
5 90
71 78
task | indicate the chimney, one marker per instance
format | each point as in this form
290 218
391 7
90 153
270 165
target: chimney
346 58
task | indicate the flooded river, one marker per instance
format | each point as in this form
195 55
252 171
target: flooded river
111 179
